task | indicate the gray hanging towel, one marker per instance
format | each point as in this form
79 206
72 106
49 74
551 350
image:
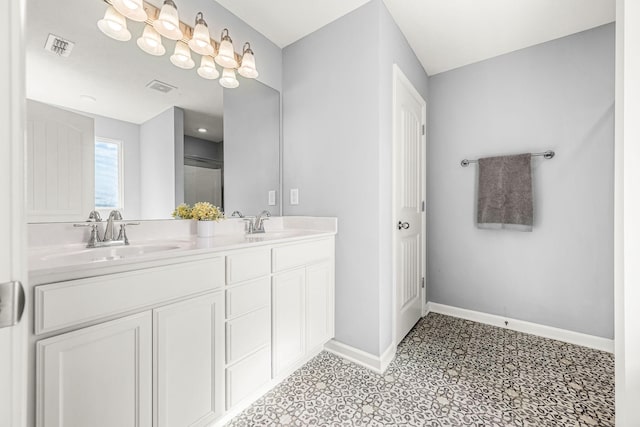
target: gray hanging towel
505 195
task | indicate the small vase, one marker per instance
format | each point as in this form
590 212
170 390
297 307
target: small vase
206 228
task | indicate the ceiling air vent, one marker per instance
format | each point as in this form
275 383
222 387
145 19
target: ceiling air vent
59 46
160 86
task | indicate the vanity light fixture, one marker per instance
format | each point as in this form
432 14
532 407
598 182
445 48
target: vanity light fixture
151 42
248 67
168 23
226 57
131 9
114 25
228 79
181 57
207 69
201 40
165 22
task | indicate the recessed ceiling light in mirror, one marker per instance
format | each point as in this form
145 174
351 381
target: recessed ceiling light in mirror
202 130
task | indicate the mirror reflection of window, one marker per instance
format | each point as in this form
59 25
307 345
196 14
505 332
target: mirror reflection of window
108 174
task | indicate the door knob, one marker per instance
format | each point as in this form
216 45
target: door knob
12 301
403 225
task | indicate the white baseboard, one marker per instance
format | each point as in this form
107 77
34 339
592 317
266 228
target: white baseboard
377 364
564 335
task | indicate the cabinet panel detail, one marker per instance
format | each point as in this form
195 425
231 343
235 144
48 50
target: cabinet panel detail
247 333
246 376
98 376
288 319
65 304
300 254
248 265
188 362
248 297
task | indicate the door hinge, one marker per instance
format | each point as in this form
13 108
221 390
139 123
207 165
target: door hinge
12 301
424 130
423 206
422 283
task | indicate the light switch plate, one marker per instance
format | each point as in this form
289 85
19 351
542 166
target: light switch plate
272 197
293 196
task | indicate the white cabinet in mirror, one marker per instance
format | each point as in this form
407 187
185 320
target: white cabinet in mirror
178 140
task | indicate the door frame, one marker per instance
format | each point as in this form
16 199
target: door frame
14 228
399 77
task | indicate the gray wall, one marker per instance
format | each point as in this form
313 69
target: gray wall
251 147
558 95
336 145
129 134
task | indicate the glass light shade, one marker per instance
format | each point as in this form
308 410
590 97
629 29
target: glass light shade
226 57
201 41
207 69
228 79
151 42
181 57
168 23
114 25
248 67
132 9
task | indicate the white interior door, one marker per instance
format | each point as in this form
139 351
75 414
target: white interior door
12 223
409 116
60 164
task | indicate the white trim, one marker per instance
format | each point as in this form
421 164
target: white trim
378 364
544 331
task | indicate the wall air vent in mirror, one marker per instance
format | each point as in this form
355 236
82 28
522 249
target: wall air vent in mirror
59 46
160 86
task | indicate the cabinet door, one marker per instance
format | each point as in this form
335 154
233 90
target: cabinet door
319 301
288 319
189 362
98 376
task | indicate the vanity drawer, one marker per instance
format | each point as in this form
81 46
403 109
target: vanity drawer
247 376
247 333
290 256
248 265
66 304
248 297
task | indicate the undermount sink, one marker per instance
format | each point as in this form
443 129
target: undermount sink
90 255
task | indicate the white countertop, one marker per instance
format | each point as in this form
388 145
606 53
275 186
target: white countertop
72 260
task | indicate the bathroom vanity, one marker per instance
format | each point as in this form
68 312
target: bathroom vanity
177 332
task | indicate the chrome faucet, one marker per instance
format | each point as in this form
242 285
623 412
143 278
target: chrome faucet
109 231
108 238
258 226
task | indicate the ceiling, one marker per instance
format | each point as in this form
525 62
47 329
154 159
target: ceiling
109 78
444 34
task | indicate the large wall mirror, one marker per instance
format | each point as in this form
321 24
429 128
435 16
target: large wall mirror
112 127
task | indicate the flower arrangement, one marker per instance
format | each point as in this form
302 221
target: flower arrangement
201 211
205 211
182 211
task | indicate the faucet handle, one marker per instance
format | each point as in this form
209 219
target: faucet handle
237 214
122 235
94 216
248 224
94 238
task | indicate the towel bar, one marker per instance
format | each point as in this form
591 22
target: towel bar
549 154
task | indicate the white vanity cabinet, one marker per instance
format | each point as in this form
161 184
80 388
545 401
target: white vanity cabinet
98 376
188 344
161 367
248 326
303 295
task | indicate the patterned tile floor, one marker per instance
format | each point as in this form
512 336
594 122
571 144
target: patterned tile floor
449 372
